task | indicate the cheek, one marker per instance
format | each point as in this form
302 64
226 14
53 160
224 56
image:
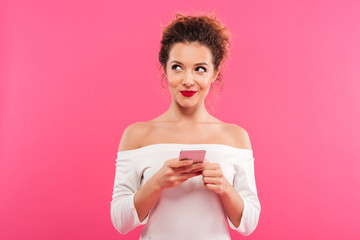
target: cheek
174 80
204 82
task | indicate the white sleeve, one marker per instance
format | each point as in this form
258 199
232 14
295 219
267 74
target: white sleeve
244 184
123 213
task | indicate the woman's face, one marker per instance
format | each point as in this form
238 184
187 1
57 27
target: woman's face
189 68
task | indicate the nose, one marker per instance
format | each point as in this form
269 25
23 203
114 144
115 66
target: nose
188 79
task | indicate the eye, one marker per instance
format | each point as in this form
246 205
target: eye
201 69
175 67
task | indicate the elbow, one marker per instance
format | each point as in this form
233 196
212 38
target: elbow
123 215
250 225
121 229
249 230
118 226
250 219
117 220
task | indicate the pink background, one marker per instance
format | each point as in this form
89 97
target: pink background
74 74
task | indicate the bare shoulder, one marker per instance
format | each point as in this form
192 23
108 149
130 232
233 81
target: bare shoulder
132 135
238 135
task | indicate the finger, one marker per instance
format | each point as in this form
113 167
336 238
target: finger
197 167
212 187
176 163
212 173
212 180
190 168
212 166
199 170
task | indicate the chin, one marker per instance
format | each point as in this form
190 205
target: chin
188 104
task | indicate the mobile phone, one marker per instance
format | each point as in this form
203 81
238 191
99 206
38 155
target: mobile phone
196 155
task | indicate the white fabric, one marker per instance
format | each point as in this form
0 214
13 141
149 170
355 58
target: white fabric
188 211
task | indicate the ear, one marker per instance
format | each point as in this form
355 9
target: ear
164 71
216 74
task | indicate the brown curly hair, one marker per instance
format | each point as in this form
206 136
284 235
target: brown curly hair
206 30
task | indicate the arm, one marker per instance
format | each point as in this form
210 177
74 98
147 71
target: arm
244 188
123 212
146 198
244 185
127 183
239 199
233 204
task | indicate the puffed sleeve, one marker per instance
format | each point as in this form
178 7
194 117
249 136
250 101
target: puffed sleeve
244 184
123 213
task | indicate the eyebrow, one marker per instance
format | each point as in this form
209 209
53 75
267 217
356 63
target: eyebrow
202 63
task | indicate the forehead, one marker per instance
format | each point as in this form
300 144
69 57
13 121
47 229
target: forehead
190 53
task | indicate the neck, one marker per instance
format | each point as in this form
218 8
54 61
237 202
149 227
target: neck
191 115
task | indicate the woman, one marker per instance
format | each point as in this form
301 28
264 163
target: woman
180 199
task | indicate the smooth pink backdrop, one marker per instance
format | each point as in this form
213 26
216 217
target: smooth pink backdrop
74 74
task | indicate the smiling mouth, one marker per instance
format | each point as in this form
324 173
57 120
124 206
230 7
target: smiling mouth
188 93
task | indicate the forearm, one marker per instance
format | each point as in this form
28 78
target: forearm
145 198
233 205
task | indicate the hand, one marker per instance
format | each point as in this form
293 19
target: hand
174 172
214 179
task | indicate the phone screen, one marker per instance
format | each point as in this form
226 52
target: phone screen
197 155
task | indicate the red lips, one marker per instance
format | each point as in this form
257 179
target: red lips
187 93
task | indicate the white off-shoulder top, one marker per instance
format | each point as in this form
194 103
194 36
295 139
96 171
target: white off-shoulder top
188 211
